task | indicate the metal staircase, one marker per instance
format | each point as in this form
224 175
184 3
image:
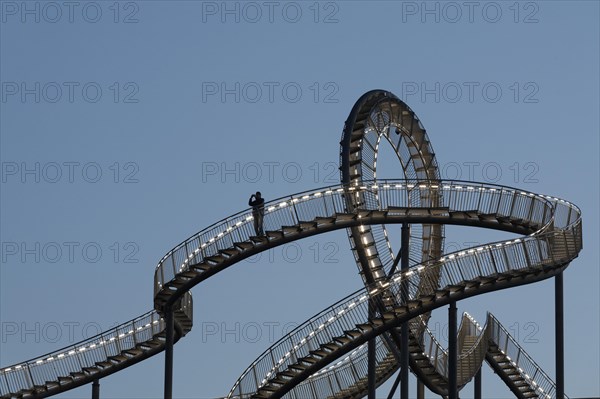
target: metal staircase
483 269
94 358
518 370
325 356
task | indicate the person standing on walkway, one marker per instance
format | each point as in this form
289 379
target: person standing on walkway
257 202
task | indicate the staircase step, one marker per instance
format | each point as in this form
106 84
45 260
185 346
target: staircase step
189 274
118 358
202 267
258 239
104 364
287 373
275 234
243 245
342 340
364 327
330 346
216 259
91 370
290 229
298 366
307 359
77 374
353 334
319 353
229 252
134 352
307 225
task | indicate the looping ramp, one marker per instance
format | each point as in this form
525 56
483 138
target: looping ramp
326 356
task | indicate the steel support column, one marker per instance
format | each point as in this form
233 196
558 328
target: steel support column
170 340
404 326
452 352
95 390
477 387
559 336
420 390
371 359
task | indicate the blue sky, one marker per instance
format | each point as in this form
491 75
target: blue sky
128 126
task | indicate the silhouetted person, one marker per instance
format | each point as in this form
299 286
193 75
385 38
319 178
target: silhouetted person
258 212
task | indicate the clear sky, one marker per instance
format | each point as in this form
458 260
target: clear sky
128 126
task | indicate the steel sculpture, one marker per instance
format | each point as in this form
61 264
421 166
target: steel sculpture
356 344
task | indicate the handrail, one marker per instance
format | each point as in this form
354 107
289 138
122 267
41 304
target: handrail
538 245
286 209
533 251
56 364
527 367
83 354
556 241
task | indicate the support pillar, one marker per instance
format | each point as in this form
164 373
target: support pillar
559 336
452 352
371 359
404 326
420 390
477 388
170 340
95 389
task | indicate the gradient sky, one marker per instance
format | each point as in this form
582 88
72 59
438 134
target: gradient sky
126 127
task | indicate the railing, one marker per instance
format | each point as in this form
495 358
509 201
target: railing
553 248
326 202
347 372
468 361
527 367
76 357
471 358
430 346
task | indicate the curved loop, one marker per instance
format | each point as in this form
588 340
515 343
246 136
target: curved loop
381 116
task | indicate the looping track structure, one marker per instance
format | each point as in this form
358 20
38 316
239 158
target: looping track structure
329 354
